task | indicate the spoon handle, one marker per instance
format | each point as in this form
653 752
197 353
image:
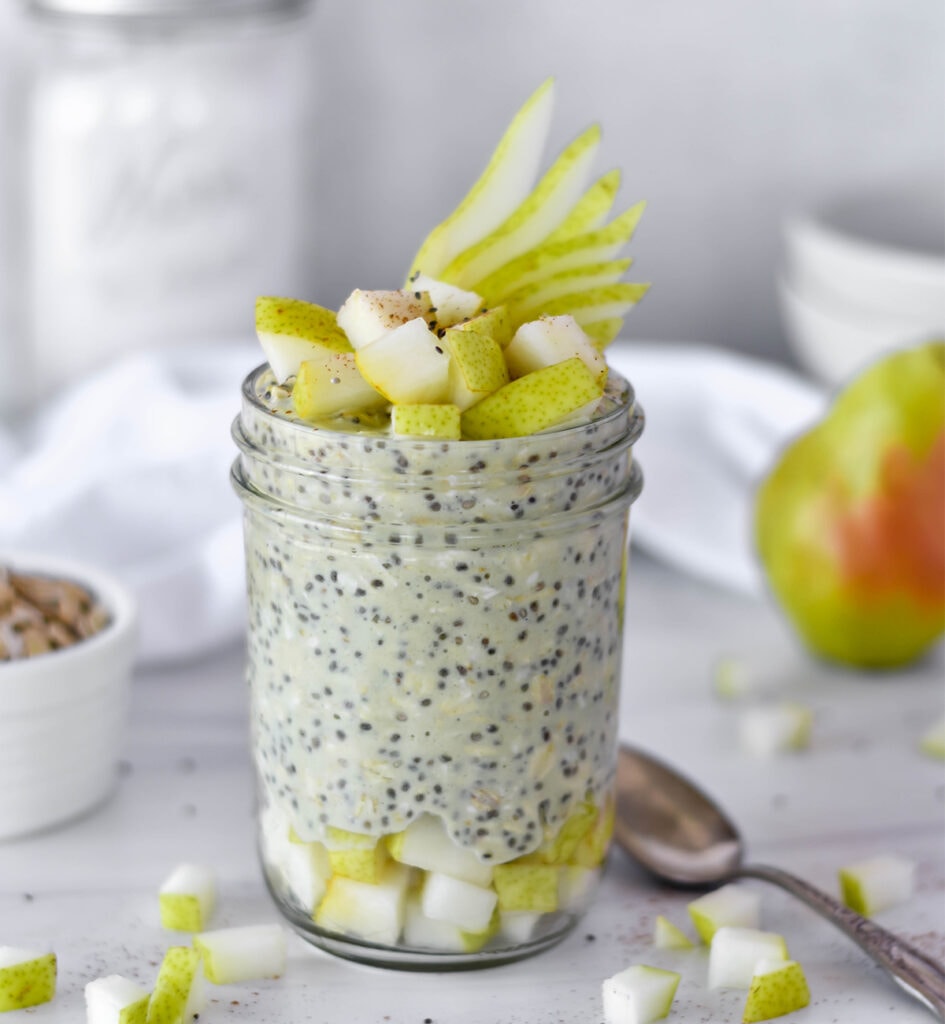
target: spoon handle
918 974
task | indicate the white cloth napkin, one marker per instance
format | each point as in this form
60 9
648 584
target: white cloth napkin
130 469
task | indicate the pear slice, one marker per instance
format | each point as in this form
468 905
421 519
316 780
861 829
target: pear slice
116 1000
877 883
603 332
550 340
549 258
291 331
426 844
732 904
932 741
477 364
771 729
449 304
407 365
667 935
639 994
777 987
535 402
439 422
179 993
27 978
367 315
187 898
331 383
373 912
527 887
545 207
530 302
606 302
736 952
468 906
501 187
244 953
590 211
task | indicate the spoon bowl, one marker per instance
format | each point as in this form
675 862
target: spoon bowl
680 835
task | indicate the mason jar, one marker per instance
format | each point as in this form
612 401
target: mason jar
434 648
162 152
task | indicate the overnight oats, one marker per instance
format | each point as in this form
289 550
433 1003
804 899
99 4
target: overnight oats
436 484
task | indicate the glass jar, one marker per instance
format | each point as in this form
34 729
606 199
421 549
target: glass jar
162 176
435 637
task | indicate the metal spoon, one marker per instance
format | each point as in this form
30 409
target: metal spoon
678 834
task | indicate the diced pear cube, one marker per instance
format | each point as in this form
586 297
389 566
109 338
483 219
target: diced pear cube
639 994
495 323
187 898
429 933
535 402
877 883
777 987
439 422
667 935
243 953
407 365
519 926
374 912
179 991
736 952
592 849
560 846
302 867
291 331
426 844
526 886
767 730
116 1000
732 904
469 906
330 383
550 340
450 304
477 365
367 315
355 855
27 978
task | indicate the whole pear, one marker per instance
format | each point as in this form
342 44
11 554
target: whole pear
850 522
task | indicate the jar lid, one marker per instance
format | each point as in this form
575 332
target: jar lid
165 10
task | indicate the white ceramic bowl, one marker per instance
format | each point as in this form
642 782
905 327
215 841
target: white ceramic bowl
63 714
834 343
881 251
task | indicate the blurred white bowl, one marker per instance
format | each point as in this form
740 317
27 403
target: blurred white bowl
63 713
881 252
834 343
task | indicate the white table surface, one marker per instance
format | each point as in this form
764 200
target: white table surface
88 890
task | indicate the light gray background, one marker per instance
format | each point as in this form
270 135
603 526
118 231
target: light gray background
723 114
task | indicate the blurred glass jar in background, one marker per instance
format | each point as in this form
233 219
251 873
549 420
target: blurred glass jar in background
163 156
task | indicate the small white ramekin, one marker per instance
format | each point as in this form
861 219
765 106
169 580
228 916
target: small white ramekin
63 714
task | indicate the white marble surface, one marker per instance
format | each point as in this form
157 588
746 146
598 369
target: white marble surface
88 890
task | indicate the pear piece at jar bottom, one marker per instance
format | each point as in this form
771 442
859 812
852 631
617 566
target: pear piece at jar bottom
429 933
426 844
527 886
640 994
777 987
27 978
533 403
374 912
116 1000
436 422
468 906
291 331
